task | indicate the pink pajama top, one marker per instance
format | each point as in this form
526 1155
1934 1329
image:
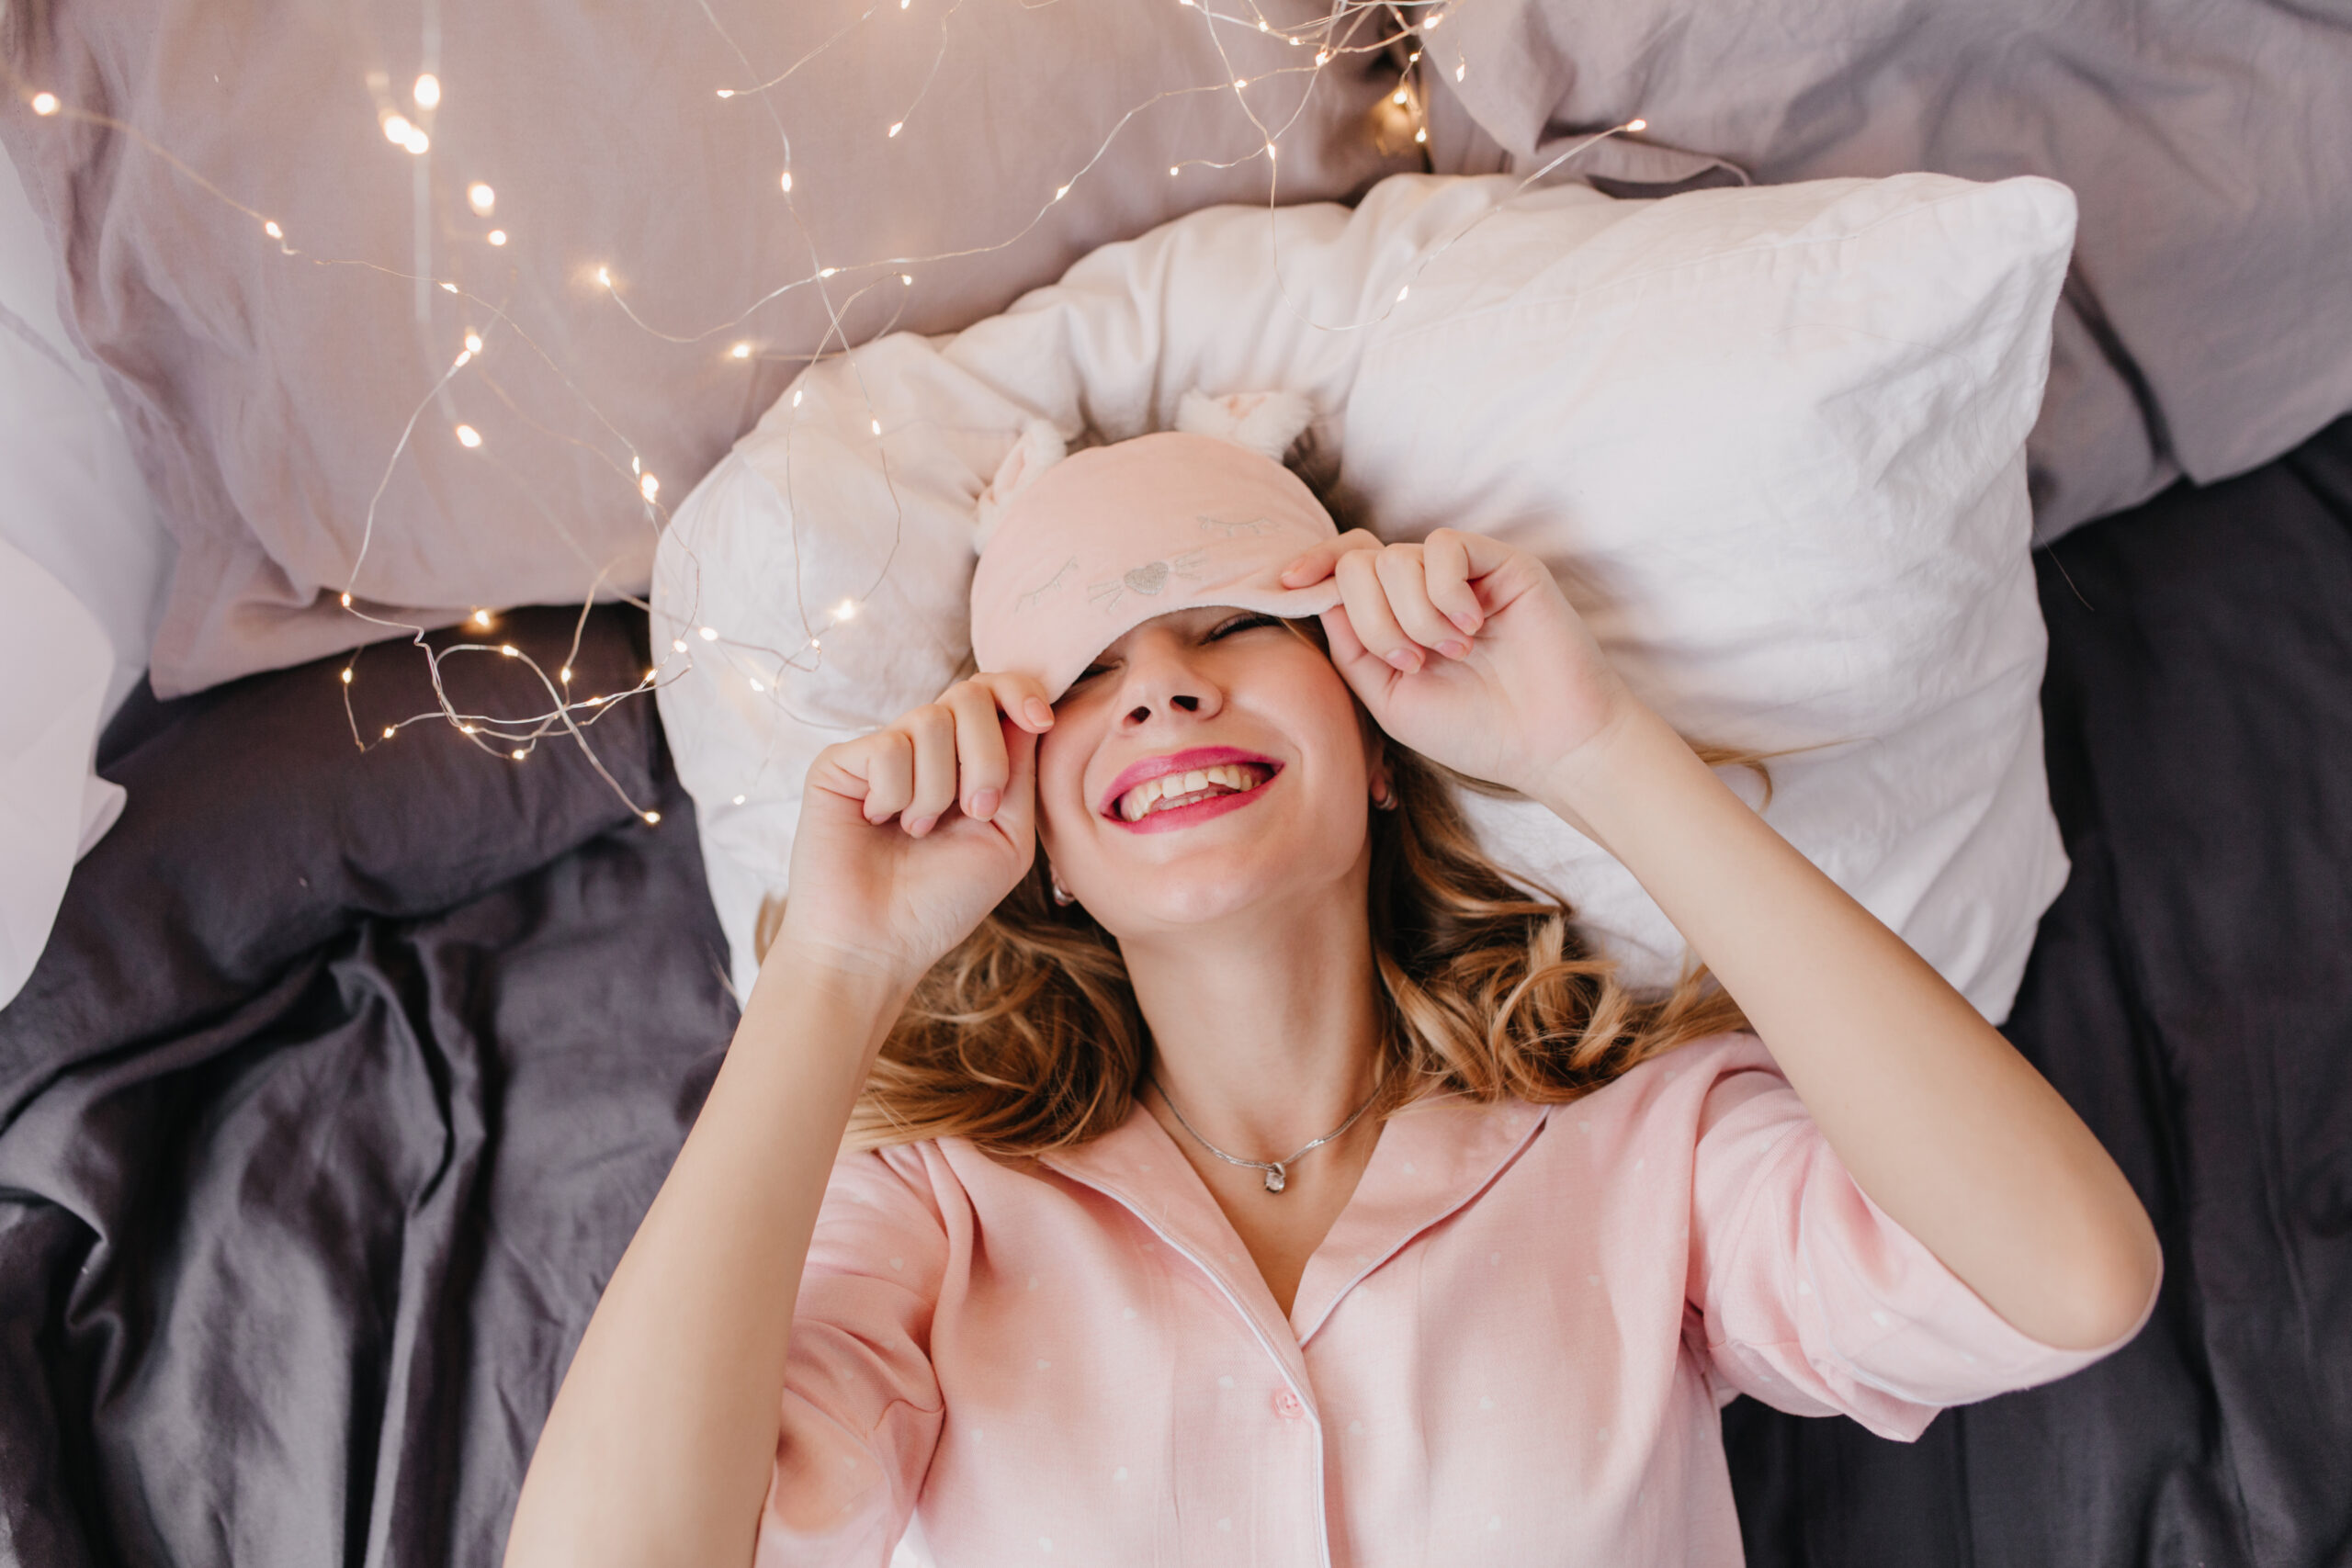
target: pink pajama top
1510 1348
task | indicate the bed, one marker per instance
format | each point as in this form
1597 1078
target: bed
308 1198
352 1059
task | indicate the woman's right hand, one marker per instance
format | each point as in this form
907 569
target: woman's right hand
889 900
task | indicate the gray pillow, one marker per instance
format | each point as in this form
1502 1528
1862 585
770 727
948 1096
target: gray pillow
2207 325
269 384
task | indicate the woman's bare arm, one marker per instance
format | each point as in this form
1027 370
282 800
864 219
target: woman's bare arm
1935 1115
663 1438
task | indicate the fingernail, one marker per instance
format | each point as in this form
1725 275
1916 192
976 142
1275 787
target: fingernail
1454 649
1467 622
984 803
1040 712
920 826
1404 659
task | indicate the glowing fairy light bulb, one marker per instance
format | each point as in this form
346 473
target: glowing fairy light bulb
796 397
416 141
496 236
827 271
897 126
482 199
726 92
677 645
397 130
786 182
346 675
1061 192
741 351
636 464
1422 134
1399 97
468 437
845 610
271 228
1402 292
510 650
427 91
907 279
755 684
653 818
481 617
518 753
605 275
1239 83
564 674
389 732
1262 26
1269 151
465 357
449 289
473 343
709 634
1637 126
877 427
468 729
647 486
45 103
1459 67
1171 170
738 800
1322 57
346 600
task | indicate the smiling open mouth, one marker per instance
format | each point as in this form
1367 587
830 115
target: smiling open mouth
1171 792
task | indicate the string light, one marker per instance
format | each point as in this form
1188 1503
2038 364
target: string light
427 91
741 351
482 199
389 732
1402 292
449 289
468 437
788 182
1061 192
397 130
418 143
898 126
45 103
1459 67
271 228
845 610
481 617
519 753
796 397
755 684
653 818
709 634
647 486
496 236
738 800
907 279
678 645
605 277
346 675
346 600
473 343
1637 126
564 675
877 427
726 92
510 650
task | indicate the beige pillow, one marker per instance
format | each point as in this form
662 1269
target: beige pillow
278 393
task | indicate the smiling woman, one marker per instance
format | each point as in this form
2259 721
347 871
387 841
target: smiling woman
1448 1258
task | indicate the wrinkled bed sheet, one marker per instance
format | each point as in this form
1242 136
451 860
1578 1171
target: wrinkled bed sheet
348 1076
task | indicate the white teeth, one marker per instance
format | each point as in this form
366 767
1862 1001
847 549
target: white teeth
1229 777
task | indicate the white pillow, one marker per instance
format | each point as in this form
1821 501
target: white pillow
1771 441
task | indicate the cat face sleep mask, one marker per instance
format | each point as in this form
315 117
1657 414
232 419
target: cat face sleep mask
1077 550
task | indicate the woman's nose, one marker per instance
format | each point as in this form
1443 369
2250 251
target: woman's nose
1162 681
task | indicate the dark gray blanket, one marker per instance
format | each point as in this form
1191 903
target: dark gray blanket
346 1077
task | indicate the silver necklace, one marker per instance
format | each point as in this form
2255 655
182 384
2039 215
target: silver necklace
1277 1171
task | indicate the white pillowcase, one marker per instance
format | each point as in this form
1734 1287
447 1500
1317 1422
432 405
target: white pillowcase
1770 440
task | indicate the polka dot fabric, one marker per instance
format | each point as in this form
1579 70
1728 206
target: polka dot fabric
1510 1348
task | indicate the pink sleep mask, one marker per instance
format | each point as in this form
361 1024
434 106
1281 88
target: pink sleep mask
1087 548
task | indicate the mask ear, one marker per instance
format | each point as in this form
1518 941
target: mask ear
1265 422
1038 448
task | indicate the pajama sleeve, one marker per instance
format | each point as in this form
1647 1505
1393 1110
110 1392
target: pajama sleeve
862 1406
1809 1298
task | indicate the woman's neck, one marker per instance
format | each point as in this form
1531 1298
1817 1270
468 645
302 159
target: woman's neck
1265 1025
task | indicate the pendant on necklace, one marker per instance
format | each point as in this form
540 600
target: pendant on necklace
1274 1177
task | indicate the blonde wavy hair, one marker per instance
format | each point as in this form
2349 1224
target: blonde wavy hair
1027 1036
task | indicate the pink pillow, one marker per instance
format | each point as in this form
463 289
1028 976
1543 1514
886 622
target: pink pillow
267 385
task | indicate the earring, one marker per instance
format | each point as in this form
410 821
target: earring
1062 896
1387 799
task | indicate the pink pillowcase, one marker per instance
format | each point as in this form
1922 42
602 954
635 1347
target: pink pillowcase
267 386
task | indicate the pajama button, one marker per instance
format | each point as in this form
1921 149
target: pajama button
1287 1406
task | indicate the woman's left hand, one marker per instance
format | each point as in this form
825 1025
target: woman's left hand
1464 649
